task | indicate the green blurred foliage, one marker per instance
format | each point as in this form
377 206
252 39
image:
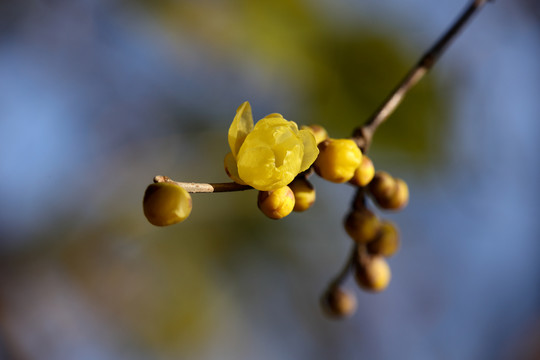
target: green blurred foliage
339 73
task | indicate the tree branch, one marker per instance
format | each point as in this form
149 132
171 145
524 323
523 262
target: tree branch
202 187
363 135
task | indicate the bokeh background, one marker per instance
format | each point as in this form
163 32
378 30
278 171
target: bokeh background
98 96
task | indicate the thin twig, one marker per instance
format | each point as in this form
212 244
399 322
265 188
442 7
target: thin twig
347 267
202 187
364 134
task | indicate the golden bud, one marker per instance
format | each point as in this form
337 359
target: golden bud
338 303
337 160
364 173
304 194
166 204
400 197
276 204
373 273
319 133
362 225
383 185
388 192
387 243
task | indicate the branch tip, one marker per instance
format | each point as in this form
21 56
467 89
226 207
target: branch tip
364 134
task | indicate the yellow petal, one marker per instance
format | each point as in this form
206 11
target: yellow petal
311 151
240 127
270 121
232 169
256 166
277 126
273 115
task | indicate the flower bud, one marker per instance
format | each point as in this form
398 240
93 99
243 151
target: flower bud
383 185
373 273
166 204
364 173
318 132
400 197
362 225
338 303
337 160
388 192
276 204
304 194
387 242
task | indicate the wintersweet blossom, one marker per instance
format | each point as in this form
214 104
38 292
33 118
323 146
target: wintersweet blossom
270 154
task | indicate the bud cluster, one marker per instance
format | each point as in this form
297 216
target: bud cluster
298 196
374 239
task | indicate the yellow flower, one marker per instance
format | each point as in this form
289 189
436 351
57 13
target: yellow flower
270 154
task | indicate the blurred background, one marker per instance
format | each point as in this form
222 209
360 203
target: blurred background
99 96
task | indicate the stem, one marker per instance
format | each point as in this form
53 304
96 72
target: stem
202 187
359 201
364 134
342 275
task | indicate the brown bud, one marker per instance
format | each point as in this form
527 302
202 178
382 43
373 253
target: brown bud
362 225
387 242
338 303
389 193
383 185
400 198
372 273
